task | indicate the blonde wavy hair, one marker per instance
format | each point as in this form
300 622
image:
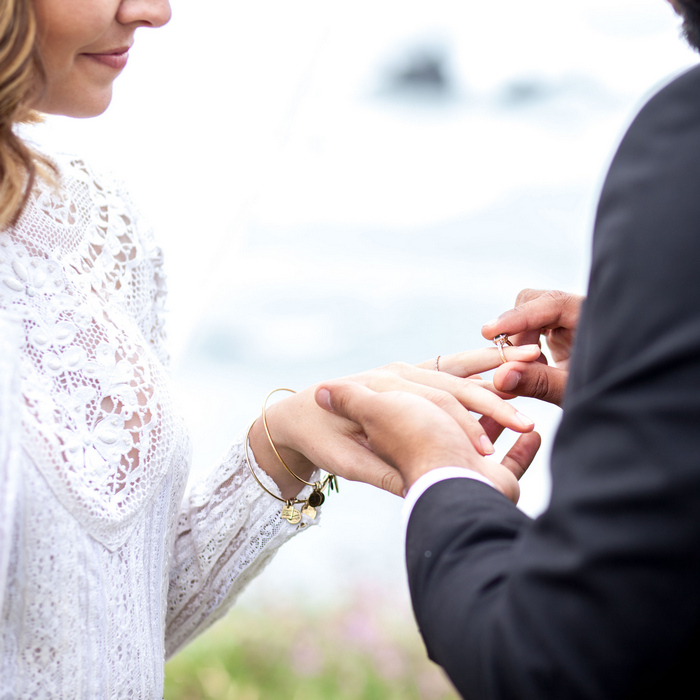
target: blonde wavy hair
21 80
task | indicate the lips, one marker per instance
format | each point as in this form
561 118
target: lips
115 59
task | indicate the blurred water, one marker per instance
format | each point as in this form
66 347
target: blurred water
322 215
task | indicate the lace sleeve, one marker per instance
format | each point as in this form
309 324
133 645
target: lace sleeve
228 531
228 528
9 443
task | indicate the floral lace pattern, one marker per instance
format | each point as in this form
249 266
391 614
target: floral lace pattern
100 553
97 413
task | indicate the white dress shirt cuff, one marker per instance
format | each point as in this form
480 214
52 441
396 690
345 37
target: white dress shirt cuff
423 483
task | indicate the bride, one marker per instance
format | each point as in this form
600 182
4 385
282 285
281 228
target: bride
107 566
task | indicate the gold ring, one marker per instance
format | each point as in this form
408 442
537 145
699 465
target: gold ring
437 363
501 341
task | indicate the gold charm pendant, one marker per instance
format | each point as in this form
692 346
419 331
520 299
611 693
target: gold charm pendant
291 514
308 511
286 511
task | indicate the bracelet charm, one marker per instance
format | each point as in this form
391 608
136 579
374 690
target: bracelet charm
316 497
309 511
291 514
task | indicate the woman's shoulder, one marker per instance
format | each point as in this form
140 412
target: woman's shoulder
70 172
76 171
80 192
83 217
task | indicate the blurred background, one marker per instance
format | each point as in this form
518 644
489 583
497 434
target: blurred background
338 185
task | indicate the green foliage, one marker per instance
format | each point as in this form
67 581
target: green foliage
363 651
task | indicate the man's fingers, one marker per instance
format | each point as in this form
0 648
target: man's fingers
525 295
492 428
522 453
413 435
358 463
409 432
532 379
528 337
346 400
536 310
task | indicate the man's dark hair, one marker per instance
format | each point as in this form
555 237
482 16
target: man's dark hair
690 9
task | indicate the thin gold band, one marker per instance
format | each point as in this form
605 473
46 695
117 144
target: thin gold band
315 498
288 501
269 437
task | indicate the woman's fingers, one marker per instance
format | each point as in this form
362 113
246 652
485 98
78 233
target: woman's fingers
469 363
474 395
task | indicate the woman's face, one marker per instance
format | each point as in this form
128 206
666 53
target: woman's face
84 45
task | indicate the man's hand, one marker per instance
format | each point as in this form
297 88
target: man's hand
552 314
414 435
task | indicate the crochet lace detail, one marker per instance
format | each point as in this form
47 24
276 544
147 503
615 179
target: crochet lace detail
98 419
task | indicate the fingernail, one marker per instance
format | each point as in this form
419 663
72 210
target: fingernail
323 399
523 419
511 380
486 445
490 323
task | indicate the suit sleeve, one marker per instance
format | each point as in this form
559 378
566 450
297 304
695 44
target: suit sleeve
599 597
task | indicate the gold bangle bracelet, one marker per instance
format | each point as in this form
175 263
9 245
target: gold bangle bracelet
269 437
316 497
289 512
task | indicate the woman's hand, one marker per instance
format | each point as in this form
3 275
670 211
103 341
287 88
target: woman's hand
551 314
308 437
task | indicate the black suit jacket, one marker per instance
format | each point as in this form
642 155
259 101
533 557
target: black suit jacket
600 596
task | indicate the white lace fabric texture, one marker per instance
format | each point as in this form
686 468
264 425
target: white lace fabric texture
106 566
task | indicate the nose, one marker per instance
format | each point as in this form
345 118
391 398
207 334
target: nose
144 13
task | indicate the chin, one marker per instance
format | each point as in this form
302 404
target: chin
84 106
85 110
90 112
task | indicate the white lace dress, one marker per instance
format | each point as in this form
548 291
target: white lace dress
106 567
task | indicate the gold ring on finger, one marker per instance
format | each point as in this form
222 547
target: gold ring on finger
501 341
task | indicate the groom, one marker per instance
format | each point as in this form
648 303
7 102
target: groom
599 597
